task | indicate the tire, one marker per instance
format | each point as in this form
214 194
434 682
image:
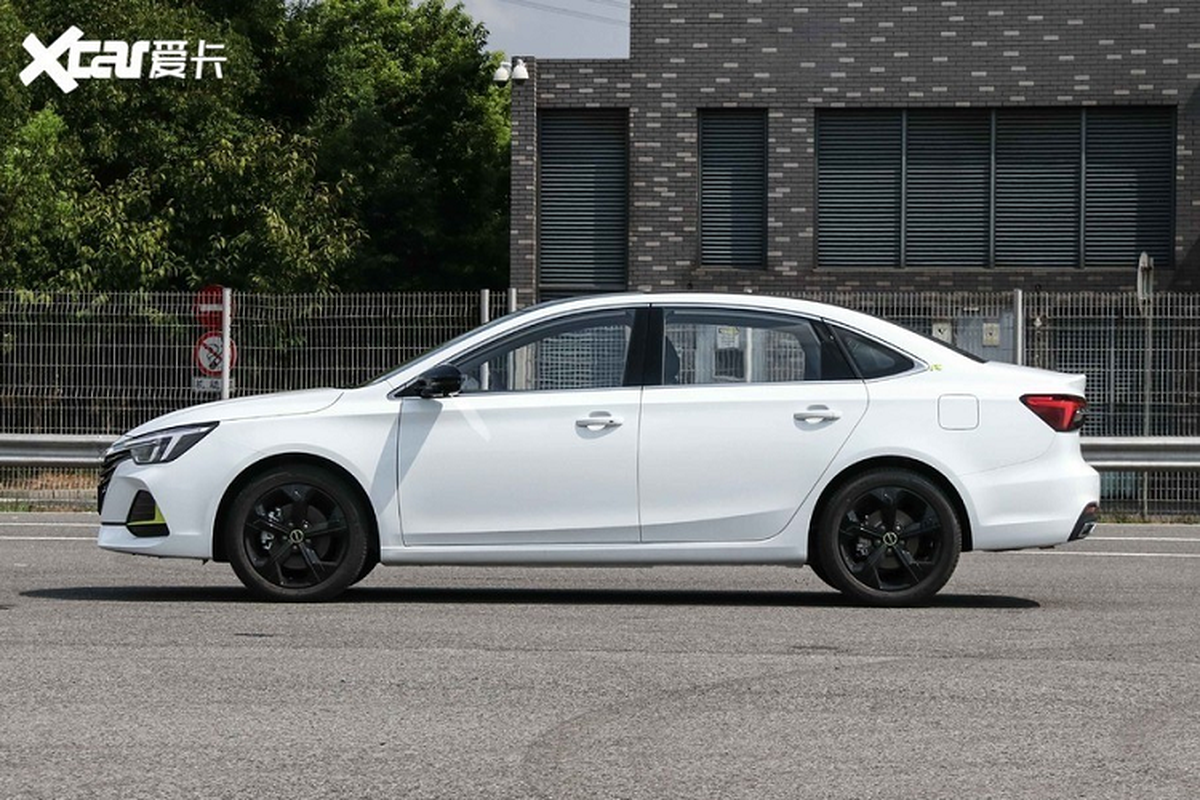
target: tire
819 571
368 567
888 537
297 533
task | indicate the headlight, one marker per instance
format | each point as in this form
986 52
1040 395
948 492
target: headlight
159 447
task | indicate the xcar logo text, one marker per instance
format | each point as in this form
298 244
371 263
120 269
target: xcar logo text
90 58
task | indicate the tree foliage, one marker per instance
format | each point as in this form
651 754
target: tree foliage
352 144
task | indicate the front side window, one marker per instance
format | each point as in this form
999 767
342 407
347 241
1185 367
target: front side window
585 352
707 346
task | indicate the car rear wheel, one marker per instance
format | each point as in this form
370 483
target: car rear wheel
889 537
297 533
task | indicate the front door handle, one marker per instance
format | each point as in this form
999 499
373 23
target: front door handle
599 421
817 414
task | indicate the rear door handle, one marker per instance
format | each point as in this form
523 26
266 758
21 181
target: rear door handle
817 414
599 422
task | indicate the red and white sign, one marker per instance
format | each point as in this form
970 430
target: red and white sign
209 305
210 353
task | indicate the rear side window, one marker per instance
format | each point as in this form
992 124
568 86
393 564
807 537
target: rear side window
874 360
709 346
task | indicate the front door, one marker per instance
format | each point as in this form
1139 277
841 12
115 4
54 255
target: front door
539 448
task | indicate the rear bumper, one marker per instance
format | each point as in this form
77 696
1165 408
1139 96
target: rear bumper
1035 504
1086 522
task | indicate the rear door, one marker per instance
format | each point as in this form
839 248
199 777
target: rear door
752 408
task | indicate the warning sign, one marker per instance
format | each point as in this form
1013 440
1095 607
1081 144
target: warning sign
209 306
210 353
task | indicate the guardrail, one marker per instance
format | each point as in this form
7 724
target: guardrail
49 451
1119 453
1142 453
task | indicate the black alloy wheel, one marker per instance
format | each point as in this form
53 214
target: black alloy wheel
889 537
297 533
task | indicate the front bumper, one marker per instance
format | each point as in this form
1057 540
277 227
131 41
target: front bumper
185 497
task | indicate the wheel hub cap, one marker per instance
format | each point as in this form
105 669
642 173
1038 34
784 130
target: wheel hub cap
890 539
296 536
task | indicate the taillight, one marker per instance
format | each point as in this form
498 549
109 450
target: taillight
1063 412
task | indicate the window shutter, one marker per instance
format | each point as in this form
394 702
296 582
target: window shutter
583 200
733 188
1038 159
859 164
1129 198
948 188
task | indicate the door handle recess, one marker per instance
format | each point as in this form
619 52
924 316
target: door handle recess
599 422
816 414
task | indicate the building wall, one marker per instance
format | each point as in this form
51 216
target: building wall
796 58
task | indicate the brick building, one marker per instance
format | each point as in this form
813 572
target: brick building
864 144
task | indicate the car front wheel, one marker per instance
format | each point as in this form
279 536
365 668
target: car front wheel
297 533
889 537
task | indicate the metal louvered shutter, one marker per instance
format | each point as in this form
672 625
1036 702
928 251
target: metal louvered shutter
733 188
859 165
948 188
1129 203
1038 160
583 199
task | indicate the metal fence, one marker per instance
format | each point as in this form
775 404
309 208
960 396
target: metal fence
96 363
103 363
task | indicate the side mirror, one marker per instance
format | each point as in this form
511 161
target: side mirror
444 380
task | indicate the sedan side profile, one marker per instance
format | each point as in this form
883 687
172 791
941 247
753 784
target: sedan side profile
624 430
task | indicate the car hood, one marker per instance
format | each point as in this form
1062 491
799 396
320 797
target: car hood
282 404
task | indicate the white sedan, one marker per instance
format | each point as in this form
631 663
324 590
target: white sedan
621 430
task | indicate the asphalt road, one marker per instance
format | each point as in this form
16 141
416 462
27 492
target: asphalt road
1068 673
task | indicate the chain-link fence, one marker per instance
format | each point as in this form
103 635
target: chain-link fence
103 363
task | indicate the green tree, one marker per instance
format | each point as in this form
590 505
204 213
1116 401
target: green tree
399 97
14 100
256 218
350 144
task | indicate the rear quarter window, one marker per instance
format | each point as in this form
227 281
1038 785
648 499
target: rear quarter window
873 359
